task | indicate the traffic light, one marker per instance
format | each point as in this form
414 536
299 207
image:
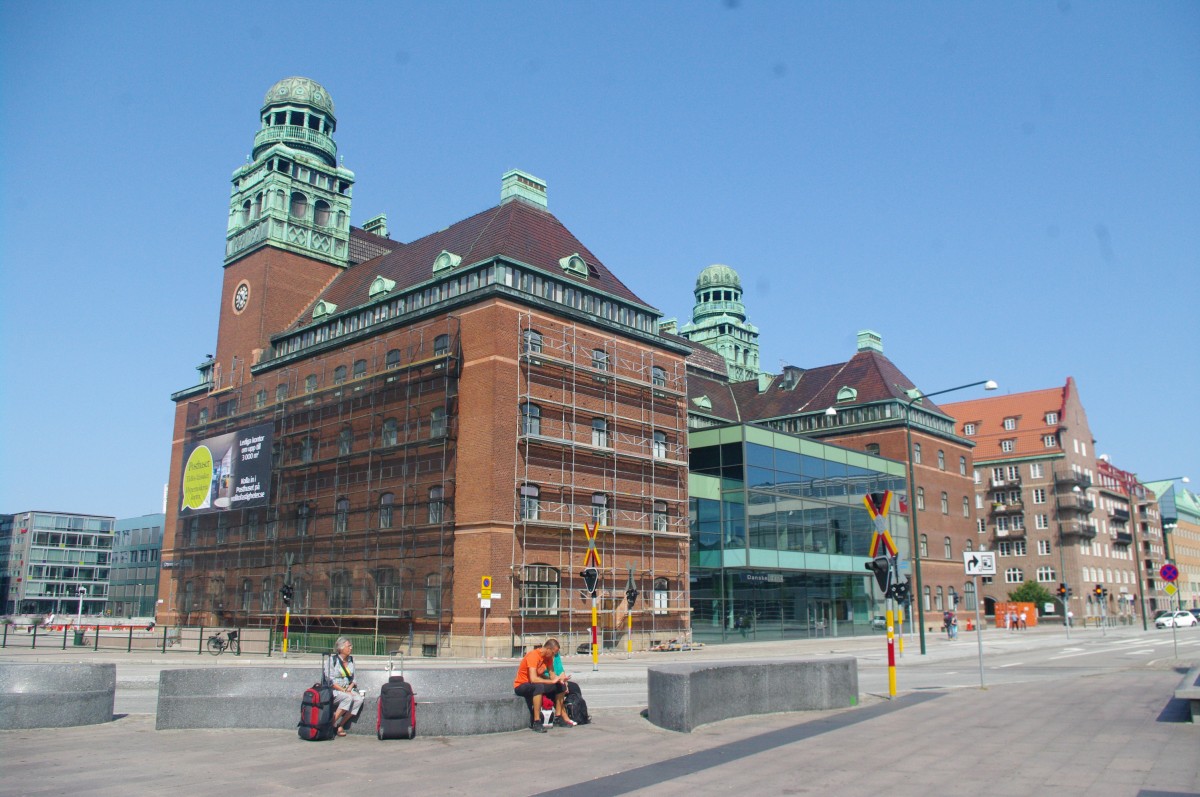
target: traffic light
902 591
286 592
631 596
1104 593
1099 591
590 576
881 566
1062 591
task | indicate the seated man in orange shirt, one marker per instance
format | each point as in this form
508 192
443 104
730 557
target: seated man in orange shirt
535 678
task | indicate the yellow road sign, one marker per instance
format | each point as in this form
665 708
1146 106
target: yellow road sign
485 588
592 557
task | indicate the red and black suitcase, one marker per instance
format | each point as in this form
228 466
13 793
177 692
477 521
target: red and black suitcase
316 714
396 717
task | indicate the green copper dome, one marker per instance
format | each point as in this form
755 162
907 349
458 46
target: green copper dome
299 91
718 276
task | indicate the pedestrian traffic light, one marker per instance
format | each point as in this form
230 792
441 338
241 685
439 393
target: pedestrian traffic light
590 576
631 596
286 592
881 566
902 592
1099 591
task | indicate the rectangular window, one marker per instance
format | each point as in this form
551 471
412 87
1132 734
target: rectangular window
1041 521
1049 441
1019 548
1044 547
1039 495
1010 424
1036 470
968 429
1051 418
1007 446
981 526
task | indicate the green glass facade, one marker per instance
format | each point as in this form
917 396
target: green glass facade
780 536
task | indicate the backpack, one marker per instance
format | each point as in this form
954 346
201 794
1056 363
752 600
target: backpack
576 707
396 714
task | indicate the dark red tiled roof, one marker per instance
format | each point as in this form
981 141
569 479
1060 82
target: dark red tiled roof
1029 411
719 395
515 229
797 390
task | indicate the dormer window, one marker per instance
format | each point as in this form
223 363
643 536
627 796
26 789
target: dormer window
703 402
445 260
847 394
574 264
1010 424
323 308
380 285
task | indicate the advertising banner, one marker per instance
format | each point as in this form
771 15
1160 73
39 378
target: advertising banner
229 471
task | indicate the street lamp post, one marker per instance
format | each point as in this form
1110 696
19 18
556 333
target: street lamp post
988 384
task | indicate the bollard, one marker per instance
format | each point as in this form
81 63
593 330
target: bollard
65 632
35 628
164 647
129 647
96 640
200 642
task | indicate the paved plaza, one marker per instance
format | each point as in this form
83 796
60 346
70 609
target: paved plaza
1105 727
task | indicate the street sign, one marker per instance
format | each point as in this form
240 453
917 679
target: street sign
1168 572
592 557
979 563
485 588
1170 589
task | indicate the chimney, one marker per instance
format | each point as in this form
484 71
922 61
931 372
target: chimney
517 184
377 226
869 340
668 325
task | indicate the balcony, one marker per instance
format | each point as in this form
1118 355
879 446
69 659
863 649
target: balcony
1010 534
293 135
1123 538
1000 484
1007 507
1075 503
1069 478
1084 531
1119 515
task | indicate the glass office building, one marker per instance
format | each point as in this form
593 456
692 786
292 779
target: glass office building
780 535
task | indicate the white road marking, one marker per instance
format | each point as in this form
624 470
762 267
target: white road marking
1014 664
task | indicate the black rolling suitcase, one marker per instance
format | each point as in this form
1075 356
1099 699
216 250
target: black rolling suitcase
397 713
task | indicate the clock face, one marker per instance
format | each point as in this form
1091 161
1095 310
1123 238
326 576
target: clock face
240 297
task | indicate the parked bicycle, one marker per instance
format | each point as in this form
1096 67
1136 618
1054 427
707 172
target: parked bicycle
219 642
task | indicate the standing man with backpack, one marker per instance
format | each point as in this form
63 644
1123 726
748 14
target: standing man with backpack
535 678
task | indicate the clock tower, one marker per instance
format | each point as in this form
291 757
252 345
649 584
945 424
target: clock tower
289 225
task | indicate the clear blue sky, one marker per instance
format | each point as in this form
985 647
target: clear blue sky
1002 190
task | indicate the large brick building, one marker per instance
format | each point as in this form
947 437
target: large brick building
434 412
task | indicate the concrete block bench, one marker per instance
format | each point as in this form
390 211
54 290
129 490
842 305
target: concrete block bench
57 695
451 701
1189 690
685 696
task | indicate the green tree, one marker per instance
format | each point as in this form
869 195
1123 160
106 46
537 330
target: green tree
1031 592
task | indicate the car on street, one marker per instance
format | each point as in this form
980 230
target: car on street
1196 614
1177 619
879 622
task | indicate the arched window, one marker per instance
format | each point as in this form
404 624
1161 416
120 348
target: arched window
341 517
969 596
945 504
539 590
600 511
299 206
345 441
970 545
189 596
267 596
661 595
339 591
941 459
386 503
532 340
387 589
437 422
531 419
302 518
966 507
339 374
437 504
921 498
924 546
962 466
600 432
281 393
256 210
247 595
433 595
441 345
391 432
360 369
260 399
872 448
925 598
393 359
308 449
916 453
246 211
310 383
658 376
659 445
939 604
529 497
321 214
659 517
299 594
203 416
948 548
